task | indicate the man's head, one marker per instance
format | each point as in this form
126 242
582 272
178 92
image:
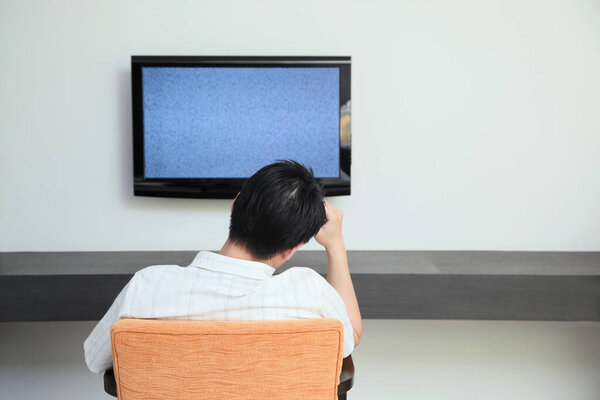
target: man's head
279 207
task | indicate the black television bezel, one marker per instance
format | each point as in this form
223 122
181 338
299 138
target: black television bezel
221 188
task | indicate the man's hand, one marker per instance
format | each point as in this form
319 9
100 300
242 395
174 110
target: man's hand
330 233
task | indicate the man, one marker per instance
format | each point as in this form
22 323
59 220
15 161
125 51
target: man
279 209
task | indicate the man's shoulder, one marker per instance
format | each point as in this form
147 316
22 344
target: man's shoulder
300 271
319 286
153 271
306 274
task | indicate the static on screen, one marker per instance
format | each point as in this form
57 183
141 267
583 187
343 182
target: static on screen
205 122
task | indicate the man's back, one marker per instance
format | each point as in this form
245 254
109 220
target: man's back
217 287
278 210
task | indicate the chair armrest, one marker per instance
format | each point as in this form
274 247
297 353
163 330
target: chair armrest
346 378
110 384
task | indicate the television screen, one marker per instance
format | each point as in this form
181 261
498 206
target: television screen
204 124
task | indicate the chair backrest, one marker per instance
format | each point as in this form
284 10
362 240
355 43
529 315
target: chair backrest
291 359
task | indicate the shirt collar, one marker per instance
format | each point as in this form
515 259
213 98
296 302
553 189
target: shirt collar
229 265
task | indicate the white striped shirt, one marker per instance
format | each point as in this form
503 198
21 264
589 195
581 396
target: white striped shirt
217 287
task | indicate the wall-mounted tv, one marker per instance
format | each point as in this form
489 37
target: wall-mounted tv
202 125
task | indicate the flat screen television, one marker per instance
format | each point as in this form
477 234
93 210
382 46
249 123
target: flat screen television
203 125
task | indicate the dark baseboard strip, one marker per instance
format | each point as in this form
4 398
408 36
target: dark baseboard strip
381 296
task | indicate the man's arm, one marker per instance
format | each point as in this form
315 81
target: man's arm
338 274
97 347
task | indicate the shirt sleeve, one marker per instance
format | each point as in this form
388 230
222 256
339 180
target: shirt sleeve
97 347
333 307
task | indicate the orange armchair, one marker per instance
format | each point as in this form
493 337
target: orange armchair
291 359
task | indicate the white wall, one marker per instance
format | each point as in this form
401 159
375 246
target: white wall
475 124
416 360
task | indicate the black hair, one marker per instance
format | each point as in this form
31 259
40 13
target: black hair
279 207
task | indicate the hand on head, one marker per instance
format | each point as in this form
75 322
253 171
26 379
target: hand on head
331 232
